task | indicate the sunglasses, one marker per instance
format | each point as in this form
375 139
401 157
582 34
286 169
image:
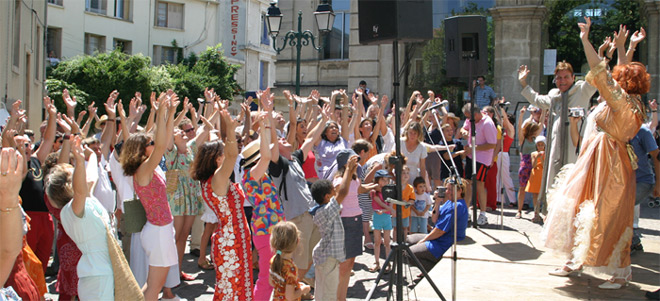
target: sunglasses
151 143
189 130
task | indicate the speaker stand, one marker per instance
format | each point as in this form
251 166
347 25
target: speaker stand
397 248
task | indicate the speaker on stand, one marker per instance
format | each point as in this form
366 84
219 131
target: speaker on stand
384 22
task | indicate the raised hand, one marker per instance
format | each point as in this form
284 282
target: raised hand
621 36
110 106
266 99
81 115
653 105
209 94
584 28
92 111
523 110
327 111
603 47
121 112
11 176
384 101
75 128
523 72
638 36
64 125
68 101
77 149
155 102
50 107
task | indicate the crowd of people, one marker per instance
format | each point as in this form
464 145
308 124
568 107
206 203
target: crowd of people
279 198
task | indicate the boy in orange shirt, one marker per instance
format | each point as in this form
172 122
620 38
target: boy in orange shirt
408 196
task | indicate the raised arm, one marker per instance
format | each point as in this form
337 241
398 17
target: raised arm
80 188
589 51
345 129
351 166
49 135
315 133
164 129
12 166
222 174
637 37
521 137
110 130
91 116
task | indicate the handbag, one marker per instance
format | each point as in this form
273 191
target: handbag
134 216
172 177
126 287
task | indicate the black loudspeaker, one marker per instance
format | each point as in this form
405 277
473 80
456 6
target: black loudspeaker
465 40
383 21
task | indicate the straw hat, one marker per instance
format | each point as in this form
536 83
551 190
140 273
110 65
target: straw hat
102 119
250 153
453 117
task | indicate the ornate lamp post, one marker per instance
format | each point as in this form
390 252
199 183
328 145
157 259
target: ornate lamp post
325 18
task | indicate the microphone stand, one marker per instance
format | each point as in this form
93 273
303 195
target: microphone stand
457 180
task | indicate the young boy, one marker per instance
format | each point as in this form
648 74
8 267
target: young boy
407 195
329 252
382 218
420 212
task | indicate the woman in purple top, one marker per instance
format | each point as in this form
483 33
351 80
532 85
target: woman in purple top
332 140
140 156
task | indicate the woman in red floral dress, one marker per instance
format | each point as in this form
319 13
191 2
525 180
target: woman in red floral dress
232 254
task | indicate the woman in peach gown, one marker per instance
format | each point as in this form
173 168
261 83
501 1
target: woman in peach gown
590 213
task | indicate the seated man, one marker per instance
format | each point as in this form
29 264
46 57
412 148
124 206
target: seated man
429 248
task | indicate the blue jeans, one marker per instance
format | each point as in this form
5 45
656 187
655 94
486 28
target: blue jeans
418 224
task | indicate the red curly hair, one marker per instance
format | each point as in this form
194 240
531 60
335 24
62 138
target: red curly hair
633 78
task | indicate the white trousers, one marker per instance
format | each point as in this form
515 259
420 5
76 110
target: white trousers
503 166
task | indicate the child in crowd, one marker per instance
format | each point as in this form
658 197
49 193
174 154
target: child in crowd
407 195
329 252
284 273
534 183
420 211
382 220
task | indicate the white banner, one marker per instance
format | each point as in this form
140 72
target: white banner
233 29
549 61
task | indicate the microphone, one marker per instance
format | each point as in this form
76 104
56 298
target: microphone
504 104
436 105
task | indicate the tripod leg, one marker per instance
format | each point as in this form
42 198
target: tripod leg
380 274
426 275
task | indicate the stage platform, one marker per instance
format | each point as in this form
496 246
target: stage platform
512 265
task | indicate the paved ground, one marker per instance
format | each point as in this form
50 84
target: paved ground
512 262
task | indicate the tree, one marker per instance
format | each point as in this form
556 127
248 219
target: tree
563 32
92 78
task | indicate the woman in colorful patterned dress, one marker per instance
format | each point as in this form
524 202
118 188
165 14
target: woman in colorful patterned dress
184 198
232 254
261 191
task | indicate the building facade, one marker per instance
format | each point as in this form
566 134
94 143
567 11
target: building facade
22 57
520 38
161 28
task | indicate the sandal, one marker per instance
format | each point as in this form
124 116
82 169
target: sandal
388 268
518 215
375 268
206 265
369 245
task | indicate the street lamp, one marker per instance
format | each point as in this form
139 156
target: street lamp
325 18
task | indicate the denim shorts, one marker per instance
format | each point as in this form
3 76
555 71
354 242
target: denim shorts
382 222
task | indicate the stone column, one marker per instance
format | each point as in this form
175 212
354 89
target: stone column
653 40
518 26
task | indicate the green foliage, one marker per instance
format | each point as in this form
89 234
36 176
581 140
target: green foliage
92 78
57 86
564 32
